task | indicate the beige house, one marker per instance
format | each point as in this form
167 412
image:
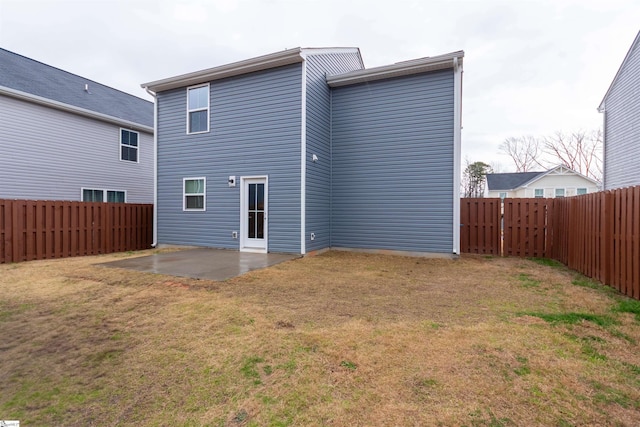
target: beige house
559 181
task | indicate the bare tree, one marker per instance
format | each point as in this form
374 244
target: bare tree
580 151
525 151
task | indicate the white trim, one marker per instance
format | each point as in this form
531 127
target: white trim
278 59
24 96
199 109
303 159
457 148
204 194
406 68
627 57
105 194
137 147
155 169
243 209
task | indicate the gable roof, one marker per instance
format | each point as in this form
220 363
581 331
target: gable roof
510 181
29 79
635 43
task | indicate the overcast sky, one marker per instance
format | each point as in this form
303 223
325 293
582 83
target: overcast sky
530 67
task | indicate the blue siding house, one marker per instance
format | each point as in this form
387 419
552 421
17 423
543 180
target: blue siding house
305 149
621 114
65 137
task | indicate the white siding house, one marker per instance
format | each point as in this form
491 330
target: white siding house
64 137
621 111
556 182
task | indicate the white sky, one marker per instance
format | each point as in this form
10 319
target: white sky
531 67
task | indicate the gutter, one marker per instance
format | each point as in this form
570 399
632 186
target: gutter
155 167
24 96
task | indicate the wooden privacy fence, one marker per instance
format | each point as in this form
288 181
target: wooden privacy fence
596 234
31 230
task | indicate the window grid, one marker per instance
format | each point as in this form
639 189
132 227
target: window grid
193 194
129 145
198 109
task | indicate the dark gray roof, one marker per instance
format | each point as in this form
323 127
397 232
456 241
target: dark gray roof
509 181
27 75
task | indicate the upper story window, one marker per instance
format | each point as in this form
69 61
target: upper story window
538 193
128 145
581 191
193 196
198 109
559 192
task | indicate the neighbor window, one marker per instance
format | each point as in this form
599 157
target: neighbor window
503 195
538 193
559 192
198 109
128 145
581 191
193 194
112 196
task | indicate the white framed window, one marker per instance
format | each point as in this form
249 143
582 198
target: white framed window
538 193
99 195
503 195
198 109
194 194
559 192
581 191
129 145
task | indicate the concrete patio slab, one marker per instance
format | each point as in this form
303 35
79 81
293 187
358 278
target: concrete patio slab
202 263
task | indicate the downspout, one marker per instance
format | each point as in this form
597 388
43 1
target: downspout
457 142
155 167
603 110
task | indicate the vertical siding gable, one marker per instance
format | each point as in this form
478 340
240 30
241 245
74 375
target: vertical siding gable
50 154
254 130
393 164
318 137
622 126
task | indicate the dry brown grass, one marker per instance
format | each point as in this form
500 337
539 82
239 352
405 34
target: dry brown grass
339 339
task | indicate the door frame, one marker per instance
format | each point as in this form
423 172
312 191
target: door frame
244 180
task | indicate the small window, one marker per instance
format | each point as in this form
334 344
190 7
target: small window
581 191
198 109
194 194
539 193
89 195
559 192
128 145
503 196
115 196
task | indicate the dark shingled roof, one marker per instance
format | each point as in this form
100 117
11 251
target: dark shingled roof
509 181
27 75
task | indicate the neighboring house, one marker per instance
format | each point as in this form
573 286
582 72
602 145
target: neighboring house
64 137
305 149
621 111
559 181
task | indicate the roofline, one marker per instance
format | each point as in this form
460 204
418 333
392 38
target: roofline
532 180
24 96
405 68
514 188
264 62
601 107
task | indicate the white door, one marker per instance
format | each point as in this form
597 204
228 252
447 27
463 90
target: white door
253 214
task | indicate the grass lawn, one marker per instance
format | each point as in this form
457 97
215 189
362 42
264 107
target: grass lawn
339 339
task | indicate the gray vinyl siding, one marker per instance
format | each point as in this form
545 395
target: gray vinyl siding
48 154
622 126
393 164
255 129
318 135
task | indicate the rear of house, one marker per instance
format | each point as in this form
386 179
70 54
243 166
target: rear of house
304 150
621 115
559 181
65 137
